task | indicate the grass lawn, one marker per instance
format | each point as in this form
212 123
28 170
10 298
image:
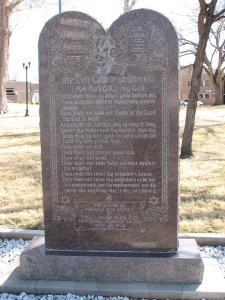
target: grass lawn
202 178
20 169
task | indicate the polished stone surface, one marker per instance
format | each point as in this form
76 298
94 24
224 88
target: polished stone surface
109 134
184 267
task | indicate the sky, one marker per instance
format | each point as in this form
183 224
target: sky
26 26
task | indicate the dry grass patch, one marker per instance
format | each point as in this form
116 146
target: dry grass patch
20 171
202 187
202 207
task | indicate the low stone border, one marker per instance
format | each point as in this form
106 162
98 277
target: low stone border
19 234
205 239
202 239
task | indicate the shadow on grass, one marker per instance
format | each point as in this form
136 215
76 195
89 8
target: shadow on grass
22 170
22 139
21 135
20 208
14 115
208 127
203 196
216 214
38 225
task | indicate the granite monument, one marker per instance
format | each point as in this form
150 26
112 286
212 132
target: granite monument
109 124
109 134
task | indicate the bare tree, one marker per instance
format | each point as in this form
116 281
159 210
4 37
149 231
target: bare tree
207 16
217 43
13 76
216 75
7 7
129 4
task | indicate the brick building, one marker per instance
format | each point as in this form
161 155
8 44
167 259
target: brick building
206 92
16 91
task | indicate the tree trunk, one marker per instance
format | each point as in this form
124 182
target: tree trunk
186 148
4 55
126 5
216 78
218 95
204 26
218 87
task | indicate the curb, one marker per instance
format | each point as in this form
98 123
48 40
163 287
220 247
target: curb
205 239
202 239
19 234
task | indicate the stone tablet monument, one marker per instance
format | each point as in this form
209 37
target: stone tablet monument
109 134
109 138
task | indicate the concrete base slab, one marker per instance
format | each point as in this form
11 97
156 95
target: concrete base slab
184 267
212 286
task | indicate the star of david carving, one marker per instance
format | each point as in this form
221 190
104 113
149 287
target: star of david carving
65 200
154 200
108 198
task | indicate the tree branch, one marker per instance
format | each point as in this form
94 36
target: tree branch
203 5
132 4
14 4
183 41
219 16
207 71
188 53
184 67
5 2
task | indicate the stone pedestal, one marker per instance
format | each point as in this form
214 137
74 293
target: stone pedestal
184 267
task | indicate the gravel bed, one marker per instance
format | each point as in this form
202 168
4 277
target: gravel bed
214 252
11 250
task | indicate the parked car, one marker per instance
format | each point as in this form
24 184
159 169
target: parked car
185 102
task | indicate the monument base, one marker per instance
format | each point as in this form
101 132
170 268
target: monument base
184 267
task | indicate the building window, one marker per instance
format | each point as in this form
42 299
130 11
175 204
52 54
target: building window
10 91
206 82
201 84
200 95
189 83
206 95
